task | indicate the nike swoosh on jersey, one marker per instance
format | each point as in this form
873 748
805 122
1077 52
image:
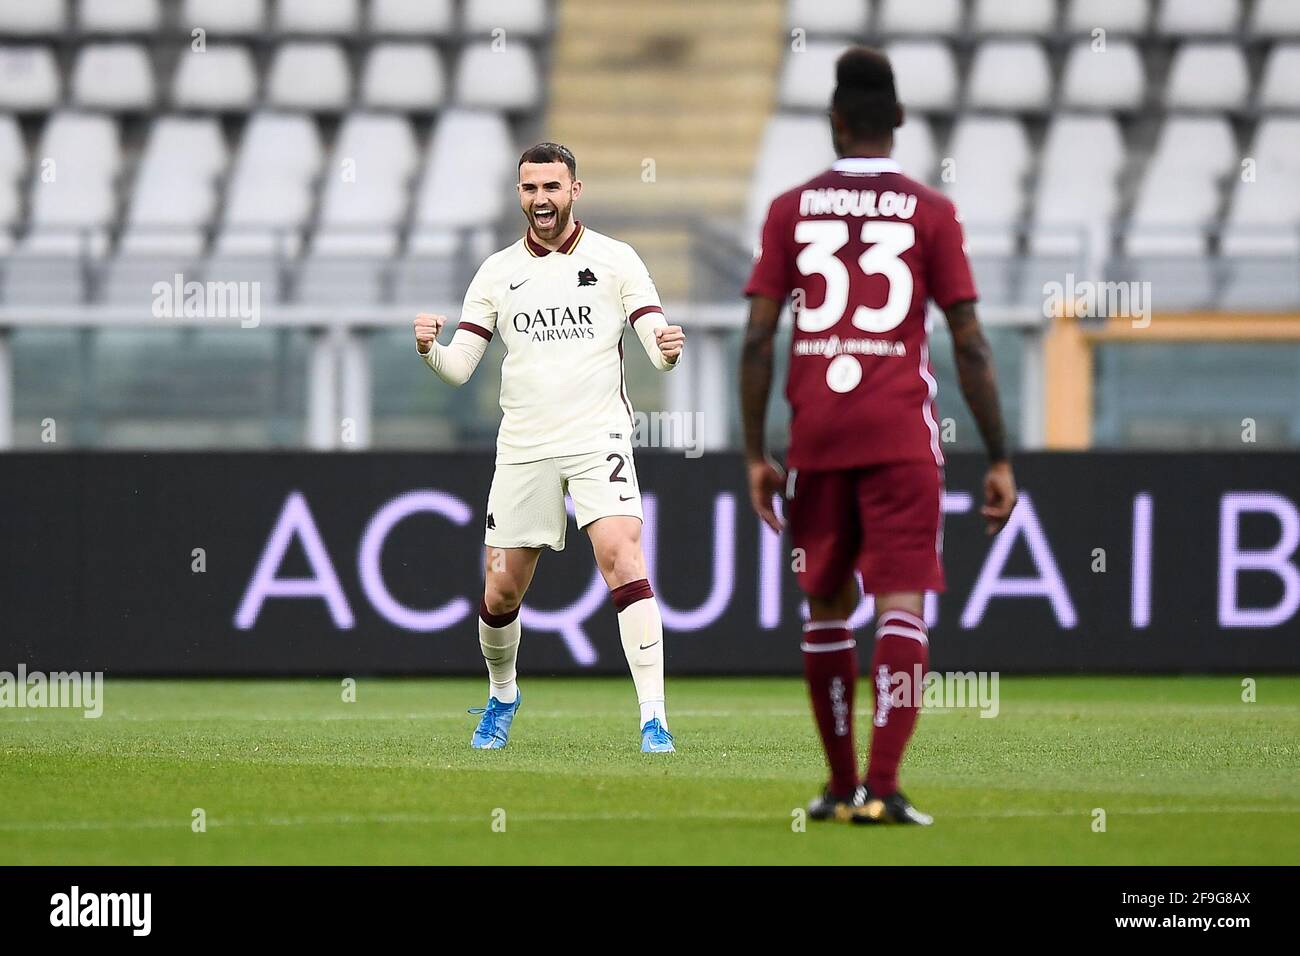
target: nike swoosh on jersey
646 647
513 287
628 498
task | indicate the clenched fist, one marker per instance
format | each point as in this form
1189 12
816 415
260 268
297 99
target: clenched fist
670 339
427 327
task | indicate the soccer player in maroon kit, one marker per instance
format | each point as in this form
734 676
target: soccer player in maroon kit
860 249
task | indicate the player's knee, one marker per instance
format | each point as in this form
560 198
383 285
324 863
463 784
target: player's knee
502 597
624 564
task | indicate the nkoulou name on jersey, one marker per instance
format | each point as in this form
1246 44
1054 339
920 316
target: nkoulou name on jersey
860 251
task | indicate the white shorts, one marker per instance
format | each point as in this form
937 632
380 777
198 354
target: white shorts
526 502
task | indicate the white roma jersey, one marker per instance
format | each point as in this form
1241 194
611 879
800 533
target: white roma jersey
561 316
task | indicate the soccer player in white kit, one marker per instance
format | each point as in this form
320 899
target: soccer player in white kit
560 299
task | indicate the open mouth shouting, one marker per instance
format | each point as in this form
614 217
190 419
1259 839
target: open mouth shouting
545 219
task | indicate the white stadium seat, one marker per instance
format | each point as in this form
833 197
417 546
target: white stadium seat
309 76
403 76
1276 18
317 16
941 17
914 148
1207 76
29 78
468 171
1279 87
506 79
423 17
175 183
1118 17
1178 190
925 74
1113 79
778 167
28 18
1184 17
1010 75
373 159
1023 16
224 17
13 152
119 16
1201 142
808 77
279 145
525 17
839 17
82 155
219 78
991 156
1272 197
114 76
1077 192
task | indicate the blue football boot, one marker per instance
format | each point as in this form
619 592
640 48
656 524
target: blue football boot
493 731
655 738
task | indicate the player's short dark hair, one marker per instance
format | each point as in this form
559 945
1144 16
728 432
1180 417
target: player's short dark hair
865 97
551 153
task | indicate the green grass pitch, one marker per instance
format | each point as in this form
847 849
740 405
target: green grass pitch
287 772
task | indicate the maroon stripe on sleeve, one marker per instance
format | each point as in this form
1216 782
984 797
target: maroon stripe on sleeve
625 595
642 311
476 329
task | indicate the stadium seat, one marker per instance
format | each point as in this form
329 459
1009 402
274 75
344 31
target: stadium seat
925 74
524 17
374 157
422 17
468 171
1279 87
309 76
175 183
778 168
403 76
332 17
1195 142
991 157
836 17
1275 18
503 80
224 17
1188 17
1113 79
1207 76
119 16
1024 16
1118 17
808 77
1010 75
914 148
941 17
31 79
220 78
1270 199
113 76
23 18
13 152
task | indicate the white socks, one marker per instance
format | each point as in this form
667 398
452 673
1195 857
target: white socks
500 646
642 633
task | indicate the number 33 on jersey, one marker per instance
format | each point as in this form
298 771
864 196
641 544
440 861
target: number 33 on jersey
860 250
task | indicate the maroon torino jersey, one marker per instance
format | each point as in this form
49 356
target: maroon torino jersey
860 249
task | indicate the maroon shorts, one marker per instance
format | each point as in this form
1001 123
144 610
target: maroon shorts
883 520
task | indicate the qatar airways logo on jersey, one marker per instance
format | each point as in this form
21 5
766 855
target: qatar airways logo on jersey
837 346
555 324
856 202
